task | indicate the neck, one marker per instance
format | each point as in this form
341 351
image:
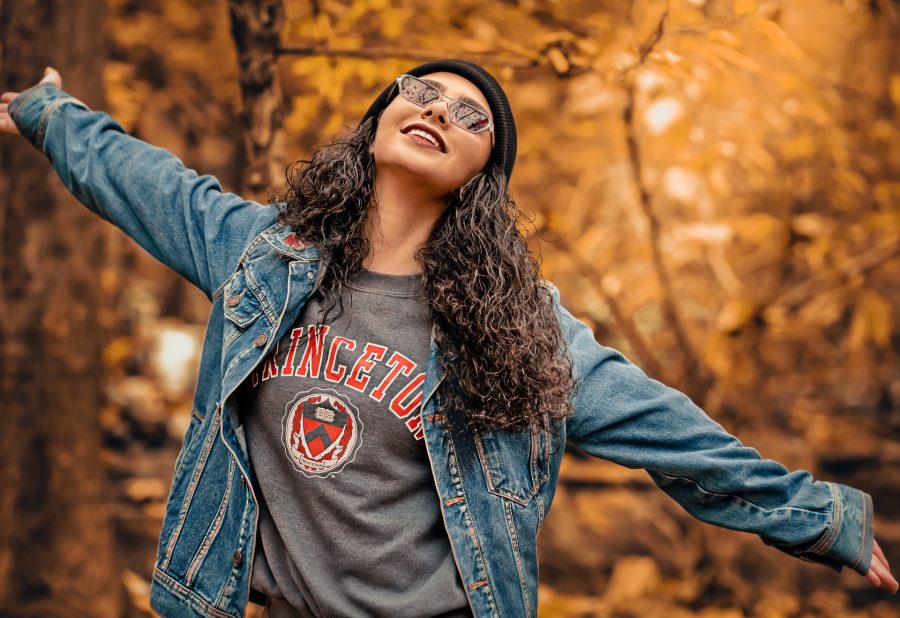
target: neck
402 217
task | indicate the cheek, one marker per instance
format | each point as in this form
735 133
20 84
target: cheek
477 155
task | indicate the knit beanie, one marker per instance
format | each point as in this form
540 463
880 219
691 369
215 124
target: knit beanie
504 153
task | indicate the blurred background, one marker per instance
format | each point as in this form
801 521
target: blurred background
714 185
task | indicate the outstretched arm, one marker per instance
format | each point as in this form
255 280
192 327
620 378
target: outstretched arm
622 415
181 218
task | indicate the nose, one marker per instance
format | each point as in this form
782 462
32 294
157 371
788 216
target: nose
440 110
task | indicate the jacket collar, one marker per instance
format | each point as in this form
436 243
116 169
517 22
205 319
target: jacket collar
285 241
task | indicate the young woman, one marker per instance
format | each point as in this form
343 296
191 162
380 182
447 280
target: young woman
387 383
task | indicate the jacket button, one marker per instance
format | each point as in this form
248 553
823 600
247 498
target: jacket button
309 275
260 340
234 300
237 558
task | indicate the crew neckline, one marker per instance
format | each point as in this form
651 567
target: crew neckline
406 286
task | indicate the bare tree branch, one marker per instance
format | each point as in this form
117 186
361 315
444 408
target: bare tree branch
381 53
862 263
645 357
696 378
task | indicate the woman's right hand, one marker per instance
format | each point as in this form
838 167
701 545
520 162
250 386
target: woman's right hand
6 123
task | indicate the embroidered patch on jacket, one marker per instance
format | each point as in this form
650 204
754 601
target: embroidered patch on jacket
321 431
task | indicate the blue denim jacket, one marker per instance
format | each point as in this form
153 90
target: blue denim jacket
495 487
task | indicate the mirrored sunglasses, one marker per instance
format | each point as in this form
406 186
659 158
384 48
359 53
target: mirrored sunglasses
462 114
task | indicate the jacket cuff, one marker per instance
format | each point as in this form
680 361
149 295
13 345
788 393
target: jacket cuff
854 533
849 539
32 109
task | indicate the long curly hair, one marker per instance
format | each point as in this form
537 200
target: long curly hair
503 356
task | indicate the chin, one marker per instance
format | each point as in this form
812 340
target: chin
429 168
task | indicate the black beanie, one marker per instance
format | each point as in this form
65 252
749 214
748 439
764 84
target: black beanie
504 153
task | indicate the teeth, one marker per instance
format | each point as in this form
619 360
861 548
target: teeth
426 135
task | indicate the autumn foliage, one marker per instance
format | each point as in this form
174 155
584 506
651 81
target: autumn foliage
714 185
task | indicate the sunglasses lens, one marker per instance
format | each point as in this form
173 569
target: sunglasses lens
468 117
418 91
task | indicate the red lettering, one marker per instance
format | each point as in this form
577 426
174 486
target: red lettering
330 372
398 364
414 422
288 368
359 378
312 354
414 389
270 369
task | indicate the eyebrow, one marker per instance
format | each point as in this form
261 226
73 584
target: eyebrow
463 98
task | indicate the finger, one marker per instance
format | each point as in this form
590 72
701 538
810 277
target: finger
876 550
884 571
872 576
887 578
884 576
7 97
51 75
7 126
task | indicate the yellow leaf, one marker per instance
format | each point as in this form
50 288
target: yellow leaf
718 354
799 147
779 38
742 61
824 309
812 224
895 88
393 21
744 7
879 314
736 313
558 60
722 36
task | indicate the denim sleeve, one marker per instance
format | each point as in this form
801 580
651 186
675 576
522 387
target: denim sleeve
622 415
184 220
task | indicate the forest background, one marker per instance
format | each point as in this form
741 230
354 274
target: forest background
712 184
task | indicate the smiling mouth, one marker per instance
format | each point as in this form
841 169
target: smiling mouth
425 136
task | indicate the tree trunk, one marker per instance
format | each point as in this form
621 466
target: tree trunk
256 28
56 545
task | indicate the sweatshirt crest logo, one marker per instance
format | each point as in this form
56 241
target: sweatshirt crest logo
321 431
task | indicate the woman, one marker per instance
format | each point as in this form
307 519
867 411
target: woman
381 344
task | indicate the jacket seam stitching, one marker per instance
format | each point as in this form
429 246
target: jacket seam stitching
739 498
479 551
189 495
492 488
214 527
862 539
241 539
253 286
47 114
187 594
514 540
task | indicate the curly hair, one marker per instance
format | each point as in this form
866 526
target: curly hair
503 356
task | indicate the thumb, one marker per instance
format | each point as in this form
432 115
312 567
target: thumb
52 76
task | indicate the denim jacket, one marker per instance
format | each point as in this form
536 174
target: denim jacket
495 487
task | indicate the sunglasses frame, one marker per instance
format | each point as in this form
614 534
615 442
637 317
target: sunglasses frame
490 125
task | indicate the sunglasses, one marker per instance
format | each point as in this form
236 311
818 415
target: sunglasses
462 114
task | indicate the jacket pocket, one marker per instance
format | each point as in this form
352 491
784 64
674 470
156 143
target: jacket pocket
241 305
515 464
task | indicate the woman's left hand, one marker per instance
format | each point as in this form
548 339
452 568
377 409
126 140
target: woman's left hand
880 571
